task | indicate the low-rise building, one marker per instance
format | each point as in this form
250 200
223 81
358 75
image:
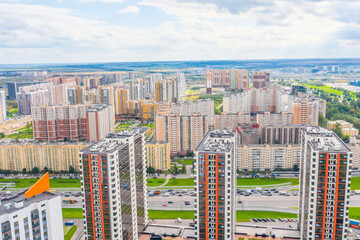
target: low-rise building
346 127
158 155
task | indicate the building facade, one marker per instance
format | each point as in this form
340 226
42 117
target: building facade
228 78
158 155
265 157
36 217
261 79
230 120
114 186
325 171
99 122
57 157
215 182
282 134
346 127
3 115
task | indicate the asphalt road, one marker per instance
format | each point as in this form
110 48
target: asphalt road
249 201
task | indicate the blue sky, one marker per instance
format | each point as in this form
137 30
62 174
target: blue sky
52 31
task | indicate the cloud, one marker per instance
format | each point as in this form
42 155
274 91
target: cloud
130 9
102 1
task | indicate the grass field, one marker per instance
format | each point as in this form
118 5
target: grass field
154 182
354 213
184 161
70 233
245 216
180 182
355 183
265 181
241 216
22 134
12 112
54 183
150 125
72 213
327 89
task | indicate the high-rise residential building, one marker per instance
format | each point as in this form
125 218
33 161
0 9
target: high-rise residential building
121 99
72 122
261 79
106 95
215 184
99 121
148 109
158 155
208 83
3 115
205 107
13 88
282 133
325 173
268 118
266 157
230 120
228 78
76 95
354 145
33 214
248 133
92 82
114 186
56 156
183 132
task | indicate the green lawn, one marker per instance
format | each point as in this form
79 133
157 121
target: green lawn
355 183
265 181
157 214
150 125
54 183
12 112
72 213
241 216
245 216
154 182
184 161
354 213
70 233
327 89
180 182
22 134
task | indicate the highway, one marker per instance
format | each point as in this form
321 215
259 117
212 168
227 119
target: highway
248 201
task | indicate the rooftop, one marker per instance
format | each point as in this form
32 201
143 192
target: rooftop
325 140
18 201
217 141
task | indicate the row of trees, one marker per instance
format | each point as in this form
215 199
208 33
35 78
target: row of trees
175 170
36 170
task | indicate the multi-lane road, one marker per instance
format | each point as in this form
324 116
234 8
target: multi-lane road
248 201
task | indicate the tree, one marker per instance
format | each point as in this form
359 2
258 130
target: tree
150 170
2 135
71 169
295 167
346 138
46 169
35 170
338 131
183 169
28 126
24 171
65 139
322 121
175 171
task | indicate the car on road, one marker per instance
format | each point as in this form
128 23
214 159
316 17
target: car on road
187 203
240 202
164 205
170 202
280 219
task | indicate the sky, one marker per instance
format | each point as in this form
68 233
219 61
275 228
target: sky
73 31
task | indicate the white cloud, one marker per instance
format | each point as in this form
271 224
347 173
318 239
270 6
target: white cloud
130 9
103 1
198 30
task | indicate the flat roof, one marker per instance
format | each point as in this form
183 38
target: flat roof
217 141
7 204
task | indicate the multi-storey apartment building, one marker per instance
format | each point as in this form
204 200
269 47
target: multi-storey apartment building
205 107
282 133
55 156
3 115
265 157
268 118
72 122
121 99
346 127
228 78
182 132
158 155
76 95
230 120
261 79
99 122
306 111
114 185
215 184
34 214
354 145
325 173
